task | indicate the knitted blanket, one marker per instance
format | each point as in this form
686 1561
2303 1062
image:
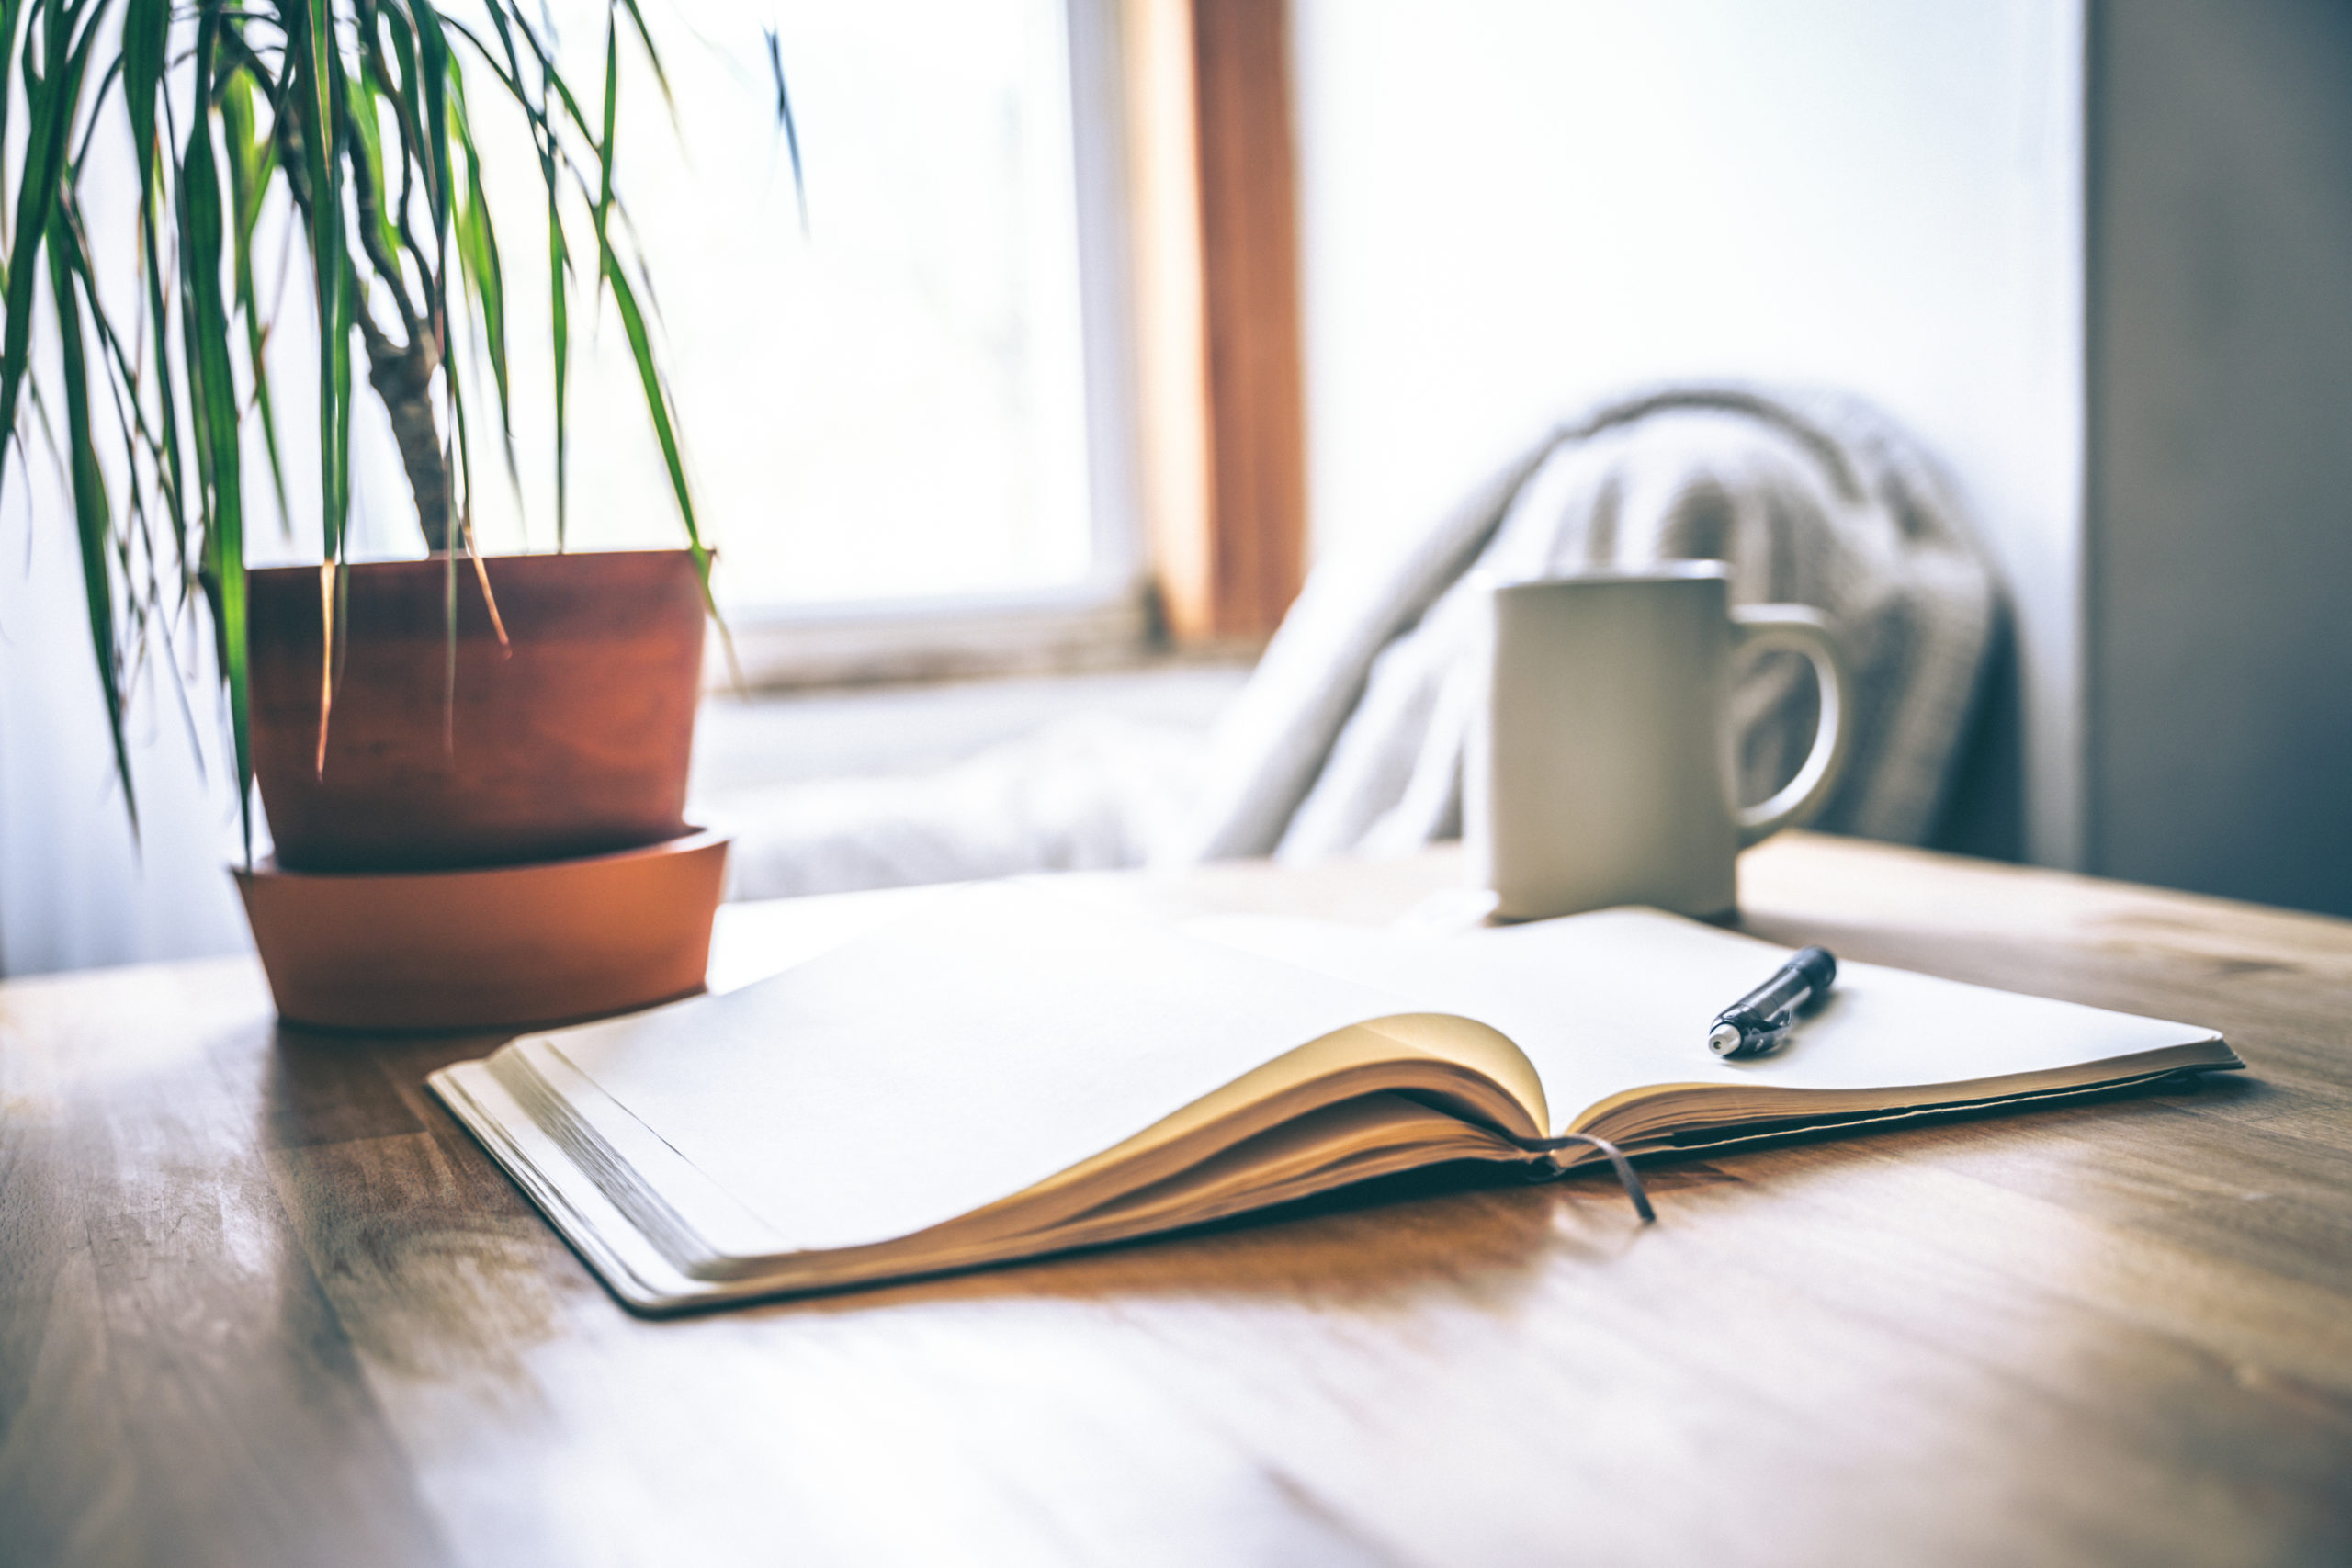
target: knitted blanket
1349 737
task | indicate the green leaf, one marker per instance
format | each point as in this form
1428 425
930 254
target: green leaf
146 35
366 121
92 522
791 131
507 21
461 474
485 276
559 332
66 235
656 408
433 70
339 372
251 157
605 143
405 55
233 619
315 67
52 93
657 405
90 126
11 13
653 55
213 409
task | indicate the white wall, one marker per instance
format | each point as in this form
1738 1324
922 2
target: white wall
1511 207
75 887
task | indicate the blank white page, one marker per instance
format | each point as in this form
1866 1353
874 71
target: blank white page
1622 999
995 1037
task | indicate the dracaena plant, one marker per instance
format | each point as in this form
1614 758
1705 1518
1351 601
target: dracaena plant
364 112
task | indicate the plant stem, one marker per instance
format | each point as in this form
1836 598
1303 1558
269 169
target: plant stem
402 377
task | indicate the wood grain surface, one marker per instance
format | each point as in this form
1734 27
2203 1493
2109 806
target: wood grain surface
262 1303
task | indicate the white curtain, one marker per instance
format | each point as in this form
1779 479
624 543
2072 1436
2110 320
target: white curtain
76 889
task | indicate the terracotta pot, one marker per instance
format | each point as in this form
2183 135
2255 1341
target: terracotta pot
573 740
497 947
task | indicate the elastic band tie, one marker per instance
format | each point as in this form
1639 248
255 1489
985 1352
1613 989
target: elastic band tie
1617 1162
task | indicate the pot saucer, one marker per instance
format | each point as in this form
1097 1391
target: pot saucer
489 947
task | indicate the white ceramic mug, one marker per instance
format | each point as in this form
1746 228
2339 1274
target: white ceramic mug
1601 770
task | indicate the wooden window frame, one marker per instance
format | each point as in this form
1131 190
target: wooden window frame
1220 401
1189 264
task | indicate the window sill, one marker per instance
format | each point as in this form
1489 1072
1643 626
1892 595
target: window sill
1072 631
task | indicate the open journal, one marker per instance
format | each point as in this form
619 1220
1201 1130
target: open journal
1008 1071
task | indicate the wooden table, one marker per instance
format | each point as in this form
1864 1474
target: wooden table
261 1302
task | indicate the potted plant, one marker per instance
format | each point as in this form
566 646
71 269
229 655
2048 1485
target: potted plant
474 771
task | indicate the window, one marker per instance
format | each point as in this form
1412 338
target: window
887 411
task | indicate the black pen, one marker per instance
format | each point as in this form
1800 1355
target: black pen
1755 1024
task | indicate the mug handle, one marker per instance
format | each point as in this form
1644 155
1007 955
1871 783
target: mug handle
1796 629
